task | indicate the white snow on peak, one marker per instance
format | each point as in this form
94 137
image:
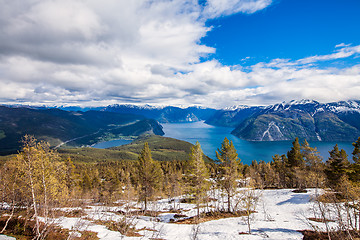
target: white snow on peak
344 106
144 106
302 102
147 106
236 107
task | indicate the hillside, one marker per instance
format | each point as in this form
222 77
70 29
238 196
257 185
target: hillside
304 119
162 149
166 114
231 117
73 128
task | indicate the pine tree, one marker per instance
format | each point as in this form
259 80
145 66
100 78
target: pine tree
355 167
150 175
70 173
279 165
356 152
197 176
294 155
314 164
229 163
336 166
173 184
296 165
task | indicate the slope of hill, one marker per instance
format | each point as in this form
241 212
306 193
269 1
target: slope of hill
75 128
166 114
304 119
231 117
162 149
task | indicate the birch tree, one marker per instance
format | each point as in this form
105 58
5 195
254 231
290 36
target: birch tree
40 181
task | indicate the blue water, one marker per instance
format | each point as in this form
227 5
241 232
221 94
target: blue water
211 137
112 143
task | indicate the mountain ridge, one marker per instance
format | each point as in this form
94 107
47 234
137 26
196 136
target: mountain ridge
308 119
57 126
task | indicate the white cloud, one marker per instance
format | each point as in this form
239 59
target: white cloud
218 8
89 52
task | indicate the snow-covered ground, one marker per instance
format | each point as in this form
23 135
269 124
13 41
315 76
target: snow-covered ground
280 214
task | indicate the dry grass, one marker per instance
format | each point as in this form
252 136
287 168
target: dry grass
22 229
320 220
210 216
339 235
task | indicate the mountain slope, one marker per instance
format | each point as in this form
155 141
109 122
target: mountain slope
167 114
58 126
231 117
304 119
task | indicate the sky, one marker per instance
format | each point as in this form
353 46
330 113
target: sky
212 53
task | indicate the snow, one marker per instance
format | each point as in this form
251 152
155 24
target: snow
302 102
236 107
4 237
267 131
280 215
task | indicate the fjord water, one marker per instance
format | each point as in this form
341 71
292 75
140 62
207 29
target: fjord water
112 143
211 137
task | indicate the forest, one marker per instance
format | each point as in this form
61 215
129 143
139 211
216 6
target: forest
39 183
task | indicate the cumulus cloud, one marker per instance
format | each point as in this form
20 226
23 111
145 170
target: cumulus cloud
87 52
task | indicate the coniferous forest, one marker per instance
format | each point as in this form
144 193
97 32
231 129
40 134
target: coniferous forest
40 185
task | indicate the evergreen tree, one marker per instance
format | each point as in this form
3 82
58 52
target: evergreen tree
296 165
173 184
336 166
229 163
356 152
279 165
197 176
314 164
355 167
70 172
294 155
150 175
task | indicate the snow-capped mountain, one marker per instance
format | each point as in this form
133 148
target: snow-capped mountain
336 121
164 113
309 119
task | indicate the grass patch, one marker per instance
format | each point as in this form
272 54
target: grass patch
23 229
2 134
338 235
124 226
320 220
210 216
299 191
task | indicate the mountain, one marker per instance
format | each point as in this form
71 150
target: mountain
168 114
337 121
231 117
73 128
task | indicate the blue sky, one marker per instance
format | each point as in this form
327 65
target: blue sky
290 29
213 53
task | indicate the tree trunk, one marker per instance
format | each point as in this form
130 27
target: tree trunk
11 215
248 222
229 203
37 224
145 202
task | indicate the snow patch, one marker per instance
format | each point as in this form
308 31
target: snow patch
236 107
272 124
